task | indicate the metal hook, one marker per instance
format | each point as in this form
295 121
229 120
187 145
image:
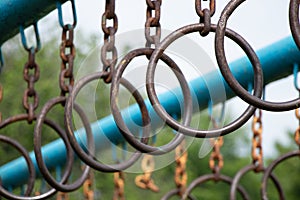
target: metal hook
24 40
60 15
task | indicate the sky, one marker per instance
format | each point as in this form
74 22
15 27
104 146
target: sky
260 22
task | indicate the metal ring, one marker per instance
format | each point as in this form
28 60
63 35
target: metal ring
89 159
175 192
5 193
230 79
30 165
162 112
294 21
246 169
212 177
271 167
119 119
60 186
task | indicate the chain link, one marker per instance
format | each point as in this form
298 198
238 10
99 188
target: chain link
109 54
145 181
297 132
205 15
31 74
67 55
62 196
88 191
153 22
180 178
1 97
216 162
257 152
119 182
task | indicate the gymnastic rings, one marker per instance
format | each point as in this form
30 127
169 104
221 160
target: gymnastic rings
171 121
230 79
271 167
213 177
5 193
61 185
117 114
175 192
30 165
294 21
87 157
246 169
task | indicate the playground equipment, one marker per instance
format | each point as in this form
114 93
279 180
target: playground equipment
257 69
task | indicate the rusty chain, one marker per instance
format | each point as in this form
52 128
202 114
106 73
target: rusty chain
119 182
109 58
205 15
145 180
62 196
88 192
257 152
109 54
31 74
153 22
67 55
181 157
216 159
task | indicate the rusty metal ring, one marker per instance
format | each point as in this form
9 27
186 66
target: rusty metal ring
61 185
212 177
162 112
5 193
294 21
270 168
230 79
246 169
89 159
114 90
29 163
175 192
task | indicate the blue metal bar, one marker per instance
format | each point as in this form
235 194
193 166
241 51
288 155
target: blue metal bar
15 13
277 62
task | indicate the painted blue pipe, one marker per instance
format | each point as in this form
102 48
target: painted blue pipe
15 13
277 62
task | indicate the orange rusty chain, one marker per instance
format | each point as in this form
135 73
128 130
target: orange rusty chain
154 51
216 159
119 182
145 180
31 74
257 152
181 157
88 192
62 196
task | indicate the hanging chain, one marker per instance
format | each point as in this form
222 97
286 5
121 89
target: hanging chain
145 181
88 191
119 182
153 22
205 15
216 159
180 178
297 132
31 74
62 196
1 97
67 52
109 54
67 55
257 152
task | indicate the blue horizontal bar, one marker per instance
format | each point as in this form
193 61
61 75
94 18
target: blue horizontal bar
277 62
14 13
